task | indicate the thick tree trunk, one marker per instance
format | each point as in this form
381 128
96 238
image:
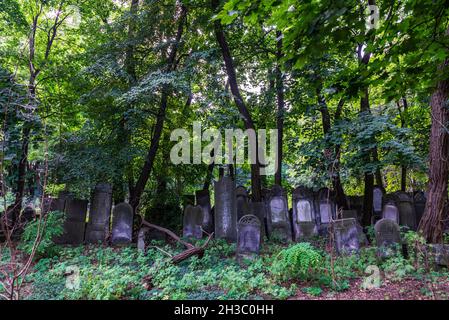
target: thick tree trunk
238 99
281 108
154 145
432 221
403 125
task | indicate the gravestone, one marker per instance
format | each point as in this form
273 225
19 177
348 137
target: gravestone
346 235
75 221
278 208
407 216
390 211
122 224
193 218
97 229
188 199
327 210
303 214
388 237
203 200
248 237
242 202
258 209
378 195
356 203
419 201
266 193
225 211
141 241
440 254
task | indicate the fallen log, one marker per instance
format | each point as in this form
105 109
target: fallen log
191 249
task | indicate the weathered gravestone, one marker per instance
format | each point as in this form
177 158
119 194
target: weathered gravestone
388 237
203 200
75 221
141 241
266 194
259 210
378 197
390 211
97 229
242 202
122 224
248 236
193 218
303 215
280 221
225 211
327 209
346 236
440 254
407 216
419 201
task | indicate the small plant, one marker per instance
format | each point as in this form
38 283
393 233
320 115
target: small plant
49 227
301 261
313 291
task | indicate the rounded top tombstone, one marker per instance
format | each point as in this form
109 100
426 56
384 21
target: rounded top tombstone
103 187
387 232
302 193
249 219
241 191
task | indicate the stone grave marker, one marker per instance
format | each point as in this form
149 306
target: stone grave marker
242 202
303 214
122 224
258 209
390 211
203 200
97 229
346 235
193 218
248 237
75 221
407 216
378 196
225 211
327 210
280 221
419 201
388 237
266 193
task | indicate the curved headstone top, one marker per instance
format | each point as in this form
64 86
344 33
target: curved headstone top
387 233
402 196
103 187
302 193
241 191
122 223
277 191
249 219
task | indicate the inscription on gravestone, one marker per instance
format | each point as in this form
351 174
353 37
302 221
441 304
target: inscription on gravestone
97 229
248 239
203 200
388 237
346 236
390 211
193 218
122 224
303 215
225 211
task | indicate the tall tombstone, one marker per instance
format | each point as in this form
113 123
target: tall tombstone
248 236
303 214
390 211
388 237
192 221
122 224
203 200
266 194
378 197
75 221
97 229
242 200
225 211
280 221
327 209
407 215
419 201
346 235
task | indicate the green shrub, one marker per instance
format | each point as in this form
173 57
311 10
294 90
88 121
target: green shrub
50 227
300 261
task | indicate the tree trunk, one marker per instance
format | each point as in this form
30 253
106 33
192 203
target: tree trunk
154 145
403 125
281 108
238 99
432 221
